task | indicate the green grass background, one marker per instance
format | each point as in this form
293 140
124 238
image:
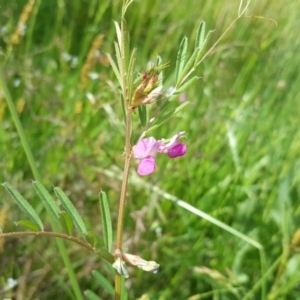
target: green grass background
242 133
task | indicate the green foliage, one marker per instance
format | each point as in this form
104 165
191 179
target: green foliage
106 221
91 295
66 222
242 131
181 58
25 207
28 225
48 201
103 282
71 210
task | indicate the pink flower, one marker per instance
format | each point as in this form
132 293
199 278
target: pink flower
146 150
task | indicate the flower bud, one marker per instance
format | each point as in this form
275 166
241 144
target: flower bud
149 86
147 91
134 260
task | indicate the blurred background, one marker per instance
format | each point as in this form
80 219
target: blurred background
242 133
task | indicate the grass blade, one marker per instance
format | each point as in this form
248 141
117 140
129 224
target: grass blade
106 220
103 282
48 201
24 205
91 295
71 210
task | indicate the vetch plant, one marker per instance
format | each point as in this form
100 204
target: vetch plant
138 92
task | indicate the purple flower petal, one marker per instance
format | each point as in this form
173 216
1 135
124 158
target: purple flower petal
146 166
145 148
164 148
177 149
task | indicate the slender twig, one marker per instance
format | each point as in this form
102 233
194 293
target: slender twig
124 183
123 200
51 234
56 235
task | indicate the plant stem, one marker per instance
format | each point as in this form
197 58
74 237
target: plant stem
123 67
123 199
124 183
55 235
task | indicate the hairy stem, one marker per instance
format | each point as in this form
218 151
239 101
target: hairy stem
55 235
123 200
124 183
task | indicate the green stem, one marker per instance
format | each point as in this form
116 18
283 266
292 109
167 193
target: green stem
123 70
122 202
36 175
124 183
118 285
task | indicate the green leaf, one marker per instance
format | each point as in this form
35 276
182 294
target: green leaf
119 62
28 225
125 43
143 115
200 36
197 60
123 110
48 201
91 295
103 253
106 220
103 282
181 56
185 86
130 73
91 239
163 118
115 69
66 222
24 205
71 210
158 60
188 66
119 34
